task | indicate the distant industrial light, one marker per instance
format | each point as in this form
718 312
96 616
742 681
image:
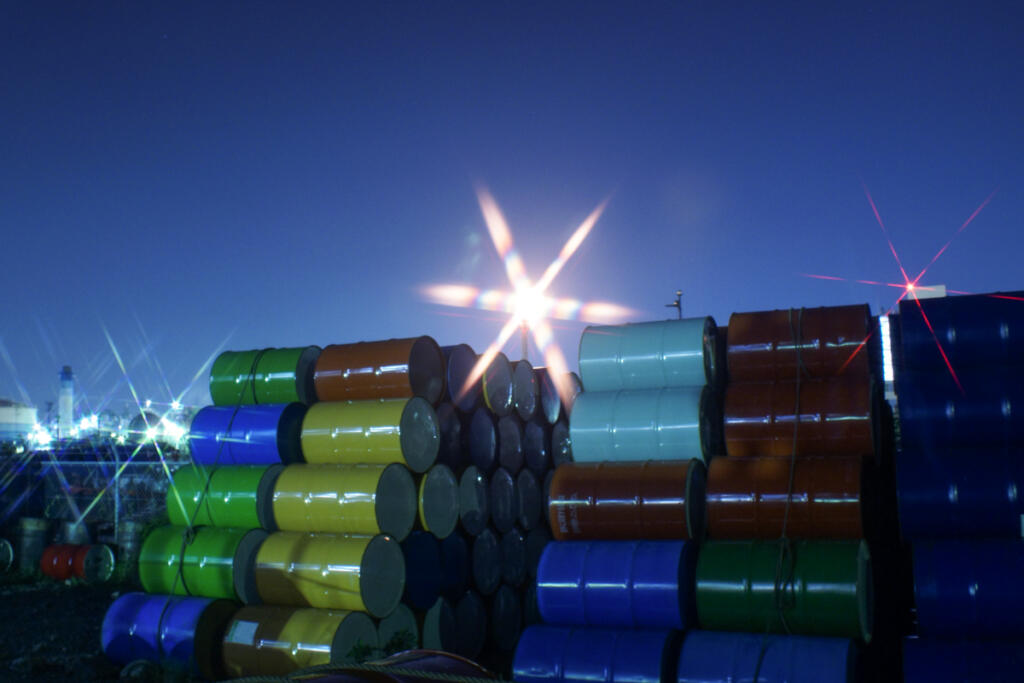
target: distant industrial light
175 405
149 403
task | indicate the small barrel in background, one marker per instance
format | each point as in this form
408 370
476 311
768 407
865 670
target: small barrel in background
770 346
932 660
481 441
57 561
438 501
180 633
978 330
712 657
525 392
73 533
537 446
510 443
247 435
264 376
460 360
550 654
395 368
6 555
381 431
643 424
398 631
422 553
94 563
621 501
969 588
474 500
503 500
497 385
268 640
629 584
345 499
649 355
359 573
450 450
837 416
230 496
942 497
749 498
826 586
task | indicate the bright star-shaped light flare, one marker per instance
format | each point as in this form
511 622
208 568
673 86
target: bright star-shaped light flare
527 304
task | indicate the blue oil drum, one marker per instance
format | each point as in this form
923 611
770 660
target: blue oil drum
630 584
642 424
976 330
649 355
970 588
944 495
546 654
727 657
181 633
460 360
930 660
247 435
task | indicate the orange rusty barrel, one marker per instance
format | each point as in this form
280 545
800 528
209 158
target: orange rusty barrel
395 368
661 499
747 498
771 345
837 416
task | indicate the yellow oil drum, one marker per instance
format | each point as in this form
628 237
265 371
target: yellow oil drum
331 571
374 431
346 499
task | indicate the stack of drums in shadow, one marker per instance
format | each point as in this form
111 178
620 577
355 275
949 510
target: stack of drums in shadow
960 389
504 427
615 589
785 583
74 557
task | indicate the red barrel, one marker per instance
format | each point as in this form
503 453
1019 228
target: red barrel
58 561
92 563
627 500
770 346
747 498
395 368
836 417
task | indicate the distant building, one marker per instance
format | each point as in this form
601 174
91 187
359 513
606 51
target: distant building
16 420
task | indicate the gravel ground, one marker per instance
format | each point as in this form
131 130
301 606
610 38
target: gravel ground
50 631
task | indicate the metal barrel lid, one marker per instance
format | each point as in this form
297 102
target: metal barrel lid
419 434
486 562
396 501
474 500
537 447
482 440
289 433
471 625
460 360
510 443
504 500
497 384
422 569
265 497
6 555
550 407
506 618
513 557
450 451
244 564
382 575
439 501
525 392
440 627
398 631
94 563
561 443
356 634
530 499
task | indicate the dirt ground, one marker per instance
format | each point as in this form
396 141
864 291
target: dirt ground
50 630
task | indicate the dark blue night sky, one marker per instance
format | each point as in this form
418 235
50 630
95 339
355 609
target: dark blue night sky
187 175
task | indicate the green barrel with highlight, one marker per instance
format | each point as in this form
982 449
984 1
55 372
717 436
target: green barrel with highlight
213 562
264 376
228 496
805 587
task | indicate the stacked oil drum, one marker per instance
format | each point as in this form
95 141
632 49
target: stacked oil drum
615 589
960 387
501 435
784 585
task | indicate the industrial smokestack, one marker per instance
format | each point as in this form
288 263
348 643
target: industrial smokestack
66 403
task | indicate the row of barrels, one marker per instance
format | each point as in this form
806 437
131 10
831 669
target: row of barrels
960 387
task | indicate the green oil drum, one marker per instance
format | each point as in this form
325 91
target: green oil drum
264 376
228 496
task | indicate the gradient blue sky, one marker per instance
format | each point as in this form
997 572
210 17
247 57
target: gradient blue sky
276 174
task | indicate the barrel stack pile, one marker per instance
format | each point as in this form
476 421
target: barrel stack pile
615 589
960 387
